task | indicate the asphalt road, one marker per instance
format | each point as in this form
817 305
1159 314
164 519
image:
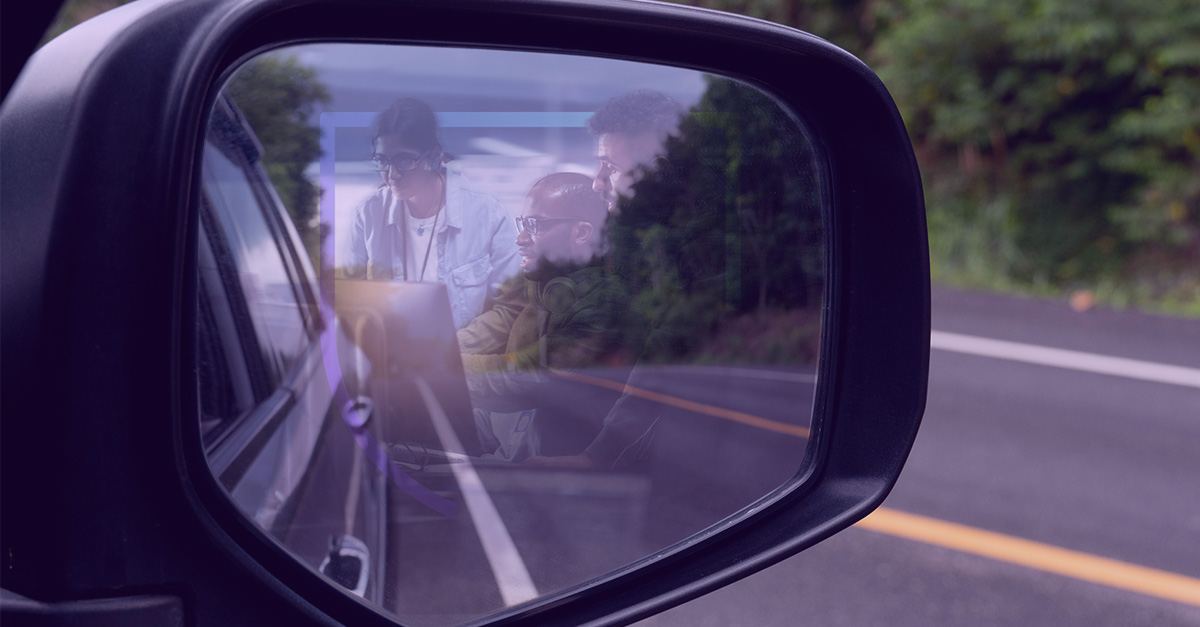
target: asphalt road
1102 465
564 527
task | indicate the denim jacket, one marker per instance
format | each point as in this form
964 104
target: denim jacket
476 245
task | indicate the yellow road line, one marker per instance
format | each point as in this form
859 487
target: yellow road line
1044 557
674 401
997 546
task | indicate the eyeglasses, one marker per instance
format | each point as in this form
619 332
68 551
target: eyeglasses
535 224
402 163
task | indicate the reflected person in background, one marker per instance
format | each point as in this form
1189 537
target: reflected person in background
525 402
631 132
424 223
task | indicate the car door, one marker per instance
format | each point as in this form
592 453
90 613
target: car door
271 432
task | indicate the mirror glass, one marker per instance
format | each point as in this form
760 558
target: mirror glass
476 327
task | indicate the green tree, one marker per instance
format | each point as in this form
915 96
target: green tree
1060 140
278 95
728 224
852 24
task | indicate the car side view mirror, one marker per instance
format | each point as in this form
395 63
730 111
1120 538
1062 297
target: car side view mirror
453 312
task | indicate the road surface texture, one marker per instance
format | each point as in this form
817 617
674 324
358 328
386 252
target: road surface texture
1072 496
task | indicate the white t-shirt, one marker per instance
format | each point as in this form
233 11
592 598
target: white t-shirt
421 258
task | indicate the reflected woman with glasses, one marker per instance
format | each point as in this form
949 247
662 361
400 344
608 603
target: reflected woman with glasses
424 223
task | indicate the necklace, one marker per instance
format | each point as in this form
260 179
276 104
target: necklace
426 222
421 231
429 246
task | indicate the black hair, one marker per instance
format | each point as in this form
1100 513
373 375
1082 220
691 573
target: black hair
637 112
412 121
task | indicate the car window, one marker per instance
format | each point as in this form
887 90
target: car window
229 384
266 286
266 408
574 314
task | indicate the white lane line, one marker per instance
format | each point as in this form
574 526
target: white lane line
512 577
1059 358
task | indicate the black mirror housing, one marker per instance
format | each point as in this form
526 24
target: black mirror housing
102 135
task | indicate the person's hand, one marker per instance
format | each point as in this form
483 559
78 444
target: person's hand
580 461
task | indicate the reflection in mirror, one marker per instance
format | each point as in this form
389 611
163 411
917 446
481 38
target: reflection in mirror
567 314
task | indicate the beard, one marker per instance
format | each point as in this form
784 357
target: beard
545 269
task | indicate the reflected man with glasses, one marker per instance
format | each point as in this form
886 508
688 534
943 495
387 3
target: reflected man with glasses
424 223
632 132
574 319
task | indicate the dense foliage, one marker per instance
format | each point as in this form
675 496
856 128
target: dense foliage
727 225
1059 140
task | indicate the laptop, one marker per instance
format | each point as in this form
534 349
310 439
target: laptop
412 369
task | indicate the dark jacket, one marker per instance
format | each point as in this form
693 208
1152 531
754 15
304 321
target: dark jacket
572 324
